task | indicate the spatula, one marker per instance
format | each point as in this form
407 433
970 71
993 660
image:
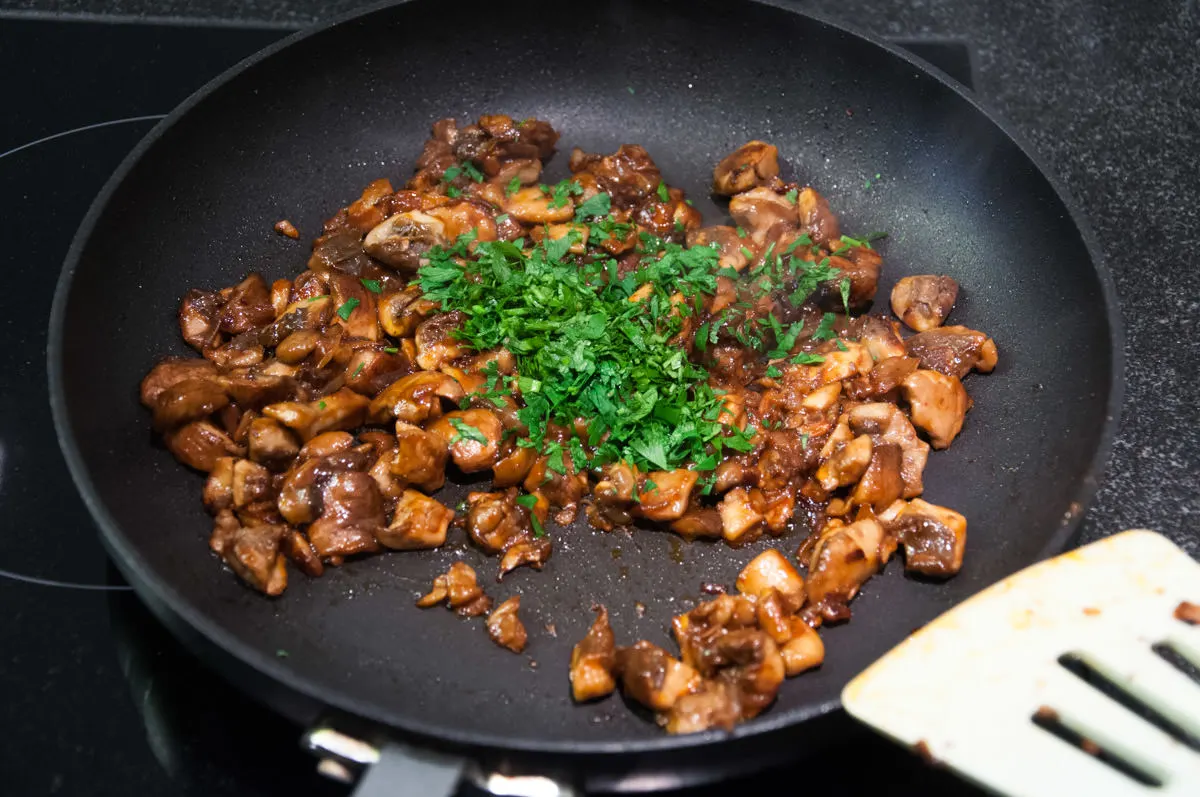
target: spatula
1079 675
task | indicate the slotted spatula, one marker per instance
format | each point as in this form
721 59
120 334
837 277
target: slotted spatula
1079 675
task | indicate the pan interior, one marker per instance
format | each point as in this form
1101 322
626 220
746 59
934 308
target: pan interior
297 135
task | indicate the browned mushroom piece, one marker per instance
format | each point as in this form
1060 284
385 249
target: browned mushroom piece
742 515
420 457
653 677
665 494
816 218
771 571
533 553
860 267
934 537
715 704
171 372
473 437
345 409
271 444
953 351
764 214
697 522
726 241
937 404
401 312
842 559
458 587
593 660
505 627
885 423
200 444
512 467
236 484
198 318
252 552
750 165
247 305
847 464
188 400
418 522
804 650
923 301
436 343
882 482
352 516
496 521
403 241
296 547
882 381
628 175
750 661
415 398
879 335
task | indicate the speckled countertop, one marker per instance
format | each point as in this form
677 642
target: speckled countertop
1108 92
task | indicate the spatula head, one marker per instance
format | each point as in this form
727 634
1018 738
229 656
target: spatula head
1078 675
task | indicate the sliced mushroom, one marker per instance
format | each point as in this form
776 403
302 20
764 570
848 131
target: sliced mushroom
885 423
505 627
459 589
252 552
200 444
533 206
816 218
496 521
593 661
880 336
419 522
198 318
750 165
953 351
882 482
420 457
400 313
344 409
771 571
804 650
937 404
415 398
188 400
653 677
763 213
934 537
741 515
272 444
404 240
171 372
512 468
296 547
698 521
715 704
351 519
436 344
752 663
355 306
923 301
668 498
473 437
236 484
841 561
846 465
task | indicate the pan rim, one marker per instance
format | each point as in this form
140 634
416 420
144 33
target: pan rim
158 592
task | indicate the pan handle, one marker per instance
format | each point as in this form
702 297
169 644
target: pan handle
391 769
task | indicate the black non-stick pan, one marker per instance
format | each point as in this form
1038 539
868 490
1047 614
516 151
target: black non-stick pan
298 130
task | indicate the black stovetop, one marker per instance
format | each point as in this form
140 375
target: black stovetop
99 699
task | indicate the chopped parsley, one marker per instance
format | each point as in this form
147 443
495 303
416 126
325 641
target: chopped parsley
562 192
503 217
472 172
346 309
465 431
538 529
320 405
361 365
452 173
514 185
825 328
663 194
527 501
805 358
391 350
593 206
372 285
791 196
774 372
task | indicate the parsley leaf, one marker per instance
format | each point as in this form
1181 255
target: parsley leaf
514 185
346 309
774 372
825 328
790 196
527 501
372 285
805 358
663 194
472 171
466 431
598 205
452 173
361 365
391 350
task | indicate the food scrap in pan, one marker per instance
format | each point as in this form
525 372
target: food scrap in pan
599 352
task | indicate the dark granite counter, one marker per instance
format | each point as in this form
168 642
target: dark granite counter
1109 94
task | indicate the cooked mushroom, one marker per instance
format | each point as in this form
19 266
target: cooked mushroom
473 437
752 663
804 650
496 521
404 240
653 677
885 423
171 372
271 444
879 335
953 351
200 444
400 313
816 218
505 627
847 464
750 165
668 497
355 306
418 522
726 241
937 404
533 206
763 213
344 409
457 586
715 704
934 537
420 457
924 301
236 484
533 553
415 398
351 519
435 340
188 400
881 483
771 571
593 661
842 559
741 515
252 552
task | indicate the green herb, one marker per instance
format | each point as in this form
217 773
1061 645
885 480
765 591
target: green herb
527 501
648 485
804 358
747 253
281 653
346 309
503 217
825 328
538 529
453 192
598 205
472 172
774 372
391 350
784 341
629 89
320 405
841 345
562 192
372 285
804 440
311 299
466 431
809 276
361 365
688 202
741 233
844 289
790 196
663 194
452 173
514 185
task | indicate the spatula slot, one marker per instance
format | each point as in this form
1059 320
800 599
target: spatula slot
1168 653
1048 720
1118 694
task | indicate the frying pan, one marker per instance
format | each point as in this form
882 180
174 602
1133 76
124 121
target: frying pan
296 131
